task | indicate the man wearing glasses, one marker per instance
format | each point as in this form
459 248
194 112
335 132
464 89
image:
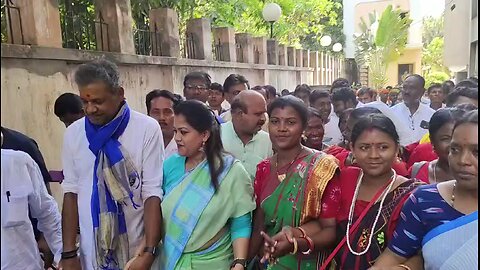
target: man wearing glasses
196 85
160 105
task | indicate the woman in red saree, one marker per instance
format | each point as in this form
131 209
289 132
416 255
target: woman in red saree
371 196
345 155
289 187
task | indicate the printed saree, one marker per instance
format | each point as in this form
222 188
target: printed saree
194 214
386 224
294 201
452 245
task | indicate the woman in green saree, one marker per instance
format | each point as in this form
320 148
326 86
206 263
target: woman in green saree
208 197
289 187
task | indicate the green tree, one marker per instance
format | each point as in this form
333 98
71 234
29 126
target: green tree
433 68
382 40
432 28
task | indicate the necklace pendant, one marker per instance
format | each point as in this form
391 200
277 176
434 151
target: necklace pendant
281 177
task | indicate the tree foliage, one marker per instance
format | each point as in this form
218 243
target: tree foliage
302 24
381 41
433 67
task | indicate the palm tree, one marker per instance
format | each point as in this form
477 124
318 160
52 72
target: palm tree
381 41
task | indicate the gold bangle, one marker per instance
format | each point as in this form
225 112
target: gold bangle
404 267
295 247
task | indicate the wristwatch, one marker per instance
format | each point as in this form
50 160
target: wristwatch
242 262
151 250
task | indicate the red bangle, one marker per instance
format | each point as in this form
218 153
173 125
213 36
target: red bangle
310 243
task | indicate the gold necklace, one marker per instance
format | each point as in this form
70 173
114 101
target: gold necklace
282 176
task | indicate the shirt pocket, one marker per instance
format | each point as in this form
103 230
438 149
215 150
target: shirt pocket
16 210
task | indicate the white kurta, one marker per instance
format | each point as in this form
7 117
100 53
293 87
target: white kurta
171 148
413 122
143 141
23 190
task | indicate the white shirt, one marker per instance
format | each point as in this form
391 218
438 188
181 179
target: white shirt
333 135
402 129
413 122
23 181
143 141
171 148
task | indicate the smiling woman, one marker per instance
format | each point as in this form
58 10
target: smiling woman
289 188
369 206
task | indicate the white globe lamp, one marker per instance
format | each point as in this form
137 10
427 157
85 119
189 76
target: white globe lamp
325 41
271 13
337 47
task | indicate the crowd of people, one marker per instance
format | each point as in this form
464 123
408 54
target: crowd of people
229 176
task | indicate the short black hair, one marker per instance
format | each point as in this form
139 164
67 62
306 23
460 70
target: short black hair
344 94
68 103
290 101
365 90
234 79
339 83
374 121
312 112
216 86
257 88
318 94
272 91
420 79
302 88
433 86
198 75
98 71
469 92
160 93
358 113
467 83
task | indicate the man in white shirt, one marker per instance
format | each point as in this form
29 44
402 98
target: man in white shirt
321 100
112 162
160 105
243 137
411 111
23 191
344 98
233 85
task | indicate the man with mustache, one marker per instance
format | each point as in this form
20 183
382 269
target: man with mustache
243 137
160 104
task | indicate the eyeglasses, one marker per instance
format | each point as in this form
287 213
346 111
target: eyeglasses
196 87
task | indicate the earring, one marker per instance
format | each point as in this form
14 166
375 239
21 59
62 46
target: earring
202 148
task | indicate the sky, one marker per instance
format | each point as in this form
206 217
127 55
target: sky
432 8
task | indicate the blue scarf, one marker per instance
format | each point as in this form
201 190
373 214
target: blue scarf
112 177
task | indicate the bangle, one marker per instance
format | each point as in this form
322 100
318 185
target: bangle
295 247
404 267
304 233
242 262
69 254
310 244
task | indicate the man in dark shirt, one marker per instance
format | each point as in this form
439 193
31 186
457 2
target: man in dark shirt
15 140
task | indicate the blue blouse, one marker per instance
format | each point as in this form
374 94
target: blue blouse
424 210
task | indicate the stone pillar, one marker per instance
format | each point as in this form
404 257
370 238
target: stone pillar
224 41
272 52
306 58
200 34
260 50
323 68
314 65
245 47
282 55
117 14
291 56
299 57
40 23
166 40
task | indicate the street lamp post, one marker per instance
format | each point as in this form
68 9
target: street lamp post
271 13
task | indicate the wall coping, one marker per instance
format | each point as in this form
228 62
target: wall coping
80 56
